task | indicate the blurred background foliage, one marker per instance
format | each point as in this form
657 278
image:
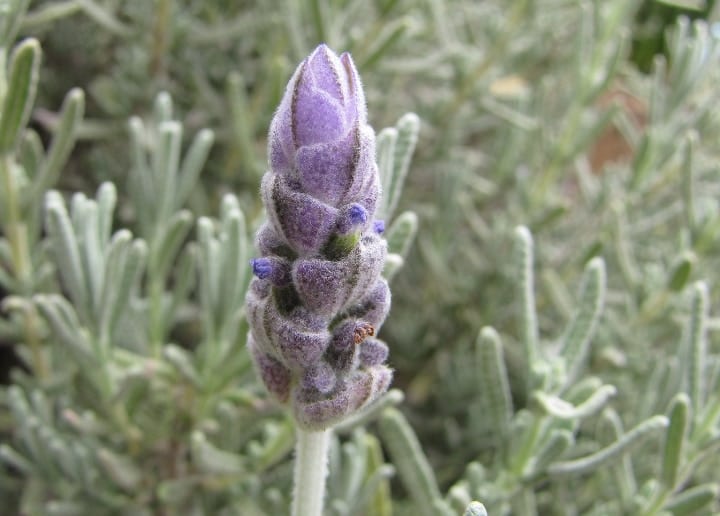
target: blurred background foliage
592 123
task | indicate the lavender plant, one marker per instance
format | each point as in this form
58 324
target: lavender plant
124 264
318 297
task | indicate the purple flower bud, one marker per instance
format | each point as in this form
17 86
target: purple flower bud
351 217
261 267
358 390
373 352
321 377
274 375
272 268
318 298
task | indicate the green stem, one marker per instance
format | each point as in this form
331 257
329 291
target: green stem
311 458
14 227
156 291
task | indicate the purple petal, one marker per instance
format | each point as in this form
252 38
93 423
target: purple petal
325 170
281 144
373 352
320 377
320 284
305 222
273 374
374 306
317 117
300 341
355 105
325 69
364 265
358 390
364 185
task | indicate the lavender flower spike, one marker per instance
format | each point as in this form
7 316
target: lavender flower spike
318 298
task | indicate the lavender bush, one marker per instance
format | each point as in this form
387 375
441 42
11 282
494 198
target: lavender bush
174 323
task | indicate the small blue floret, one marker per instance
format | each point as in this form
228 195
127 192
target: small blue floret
379 226
261 267
357 215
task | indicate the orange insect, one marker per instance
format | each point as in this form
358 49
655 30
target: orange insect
362 331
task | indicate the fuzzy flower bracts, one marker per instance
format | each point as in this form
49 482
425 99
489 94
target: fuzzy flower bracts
318 298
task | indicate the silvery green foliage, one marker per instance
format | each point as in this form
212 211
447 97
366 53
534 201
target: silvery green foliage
144 422
520 102
548 447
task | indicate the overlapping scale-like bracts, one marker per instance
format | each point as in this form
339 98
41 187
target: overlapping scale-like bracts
318 297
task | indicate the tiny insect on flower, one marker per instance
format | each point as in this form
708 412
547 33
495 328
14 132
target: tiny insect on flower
362 332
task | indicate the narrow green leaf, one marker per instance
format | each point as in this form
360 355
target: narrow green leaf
576 342
142 184
96 12
13 15
31 153
408 129
693 500
232 265
126 280
458 496
597 459
120 469
173 235
412 465
493 384
354 462
63 455
402 233
680 271
45 14
193 163
184 278
162 108
65 325
279 443
551 450
393 263
85 218
523 267
65 248
377 483
182 362
697 345
385 157
13 459
115 261
559 408
675 439
392 33
209 275
20 95
166 162
368 414
63 141
583 389
689 174
442 508
106 200
209 459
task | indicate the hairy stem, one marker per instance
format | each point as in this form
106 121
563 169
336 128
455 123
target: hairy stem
311 459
